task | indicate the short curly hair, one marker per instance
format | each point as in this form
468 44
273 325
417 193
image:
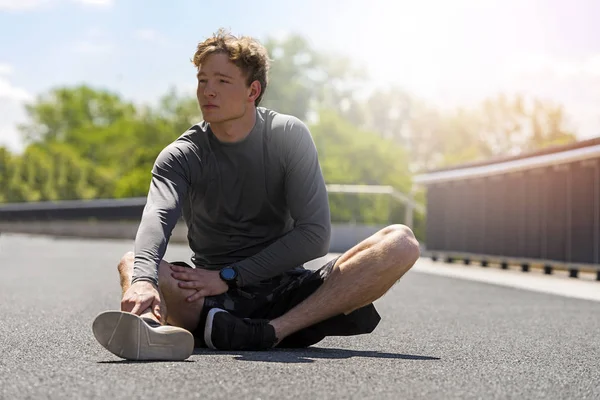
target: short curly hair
244 51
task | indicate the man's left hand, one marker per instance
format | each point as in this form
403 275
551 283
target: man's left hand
206 282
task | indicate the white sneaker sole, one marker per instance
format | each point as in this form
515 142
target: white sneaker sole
127 336
209 325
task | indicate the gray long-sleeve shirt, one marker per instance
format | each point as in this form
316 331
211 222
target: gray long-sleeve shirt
259 204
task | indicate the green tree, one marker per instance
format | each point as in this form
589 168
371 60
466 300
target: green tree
290 88
303 80
498 126
6 170
87 143
548 126
350 155
67 114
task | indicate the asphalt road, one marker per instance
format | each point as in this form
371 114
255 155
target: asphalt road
440 338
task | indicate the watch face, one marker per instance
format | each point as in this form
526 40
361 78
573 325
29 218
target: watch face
228 273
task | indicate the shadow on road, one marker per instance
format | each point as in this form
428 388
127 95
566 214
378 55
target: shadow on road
140 362
309 355
291 355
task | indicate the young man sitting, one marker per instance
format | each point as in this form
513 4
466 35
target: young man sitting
249 185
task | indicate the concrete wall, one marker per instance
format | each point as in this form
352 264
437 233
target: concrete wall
343 236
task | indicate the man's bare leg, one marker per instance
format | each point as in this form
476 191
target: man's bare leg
125 268
133 337
360 276
174 309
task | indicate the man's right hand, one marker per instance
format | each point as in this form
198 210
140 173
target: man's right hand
140 297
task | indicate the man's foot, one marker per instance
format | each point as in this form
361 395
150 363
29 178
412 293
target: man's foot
224 331
128 336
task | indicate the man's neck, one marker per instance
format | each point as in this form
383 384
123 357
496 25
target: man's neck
235 130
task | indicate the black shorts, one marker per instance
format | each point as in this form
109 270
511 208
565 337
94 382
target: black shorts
272 298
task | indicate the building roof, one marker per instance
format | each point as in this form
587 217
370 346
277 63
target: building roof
553 155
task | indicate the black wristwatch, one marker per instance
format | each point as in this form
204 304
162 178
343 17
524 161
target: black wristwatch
229 275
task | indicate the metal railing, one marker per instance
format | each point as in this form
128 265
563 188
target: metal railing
132 208
106 209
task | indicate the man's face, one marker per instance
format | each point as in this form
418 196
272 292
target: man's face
222 91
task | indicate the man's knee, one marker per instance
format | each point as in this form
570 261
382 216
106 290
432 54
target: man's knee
127 260
180 312
167 284
400 245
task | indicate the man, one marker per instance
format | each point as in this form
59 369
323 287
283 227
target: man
249 185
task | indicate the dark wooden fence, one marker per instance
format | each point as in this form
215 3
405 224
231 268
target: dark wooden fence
541 208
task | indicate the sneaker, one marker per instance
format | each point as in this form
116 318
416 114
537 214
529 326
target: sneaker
224 331
131 337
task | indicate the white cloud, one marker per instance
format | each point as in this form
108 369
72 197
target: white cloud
9 92
5 69
9 135
150 35
11 110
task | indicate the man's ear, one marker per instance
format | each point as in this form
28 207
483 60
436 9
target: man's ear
255 90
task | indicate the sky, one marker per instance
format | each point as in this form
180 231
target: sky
450 53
